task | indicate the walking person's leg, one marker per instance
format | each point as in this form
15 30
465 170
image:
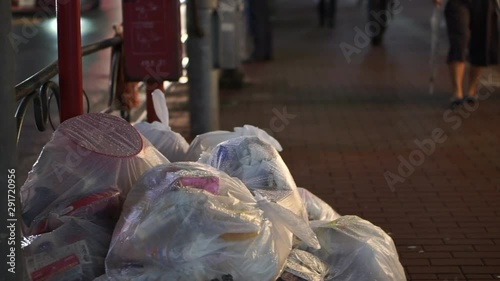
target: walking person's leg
267 31
457 71
263 31
484 42
321 12
251 22
332 13
378 15
457 20
474 75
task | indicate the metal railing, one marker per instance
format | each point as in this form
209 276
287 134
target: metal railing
40 88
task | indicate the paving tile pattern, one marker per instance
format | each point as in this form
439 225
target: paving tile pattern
344 125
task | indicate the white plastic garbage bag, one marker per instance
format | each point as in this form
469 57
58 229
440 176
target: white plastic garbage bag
171 144
189 221
355 249
260 167
90 160
75 251
317 209
206 142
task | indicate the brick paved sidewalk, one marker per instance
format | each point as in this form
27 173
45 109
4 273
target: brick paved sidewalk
349 123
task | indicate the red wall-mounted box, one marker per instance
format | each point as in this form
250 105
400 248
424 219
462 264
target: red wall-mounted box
152 40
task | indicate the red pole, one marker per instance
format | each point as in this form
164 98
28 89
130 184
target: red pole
150 87
70 58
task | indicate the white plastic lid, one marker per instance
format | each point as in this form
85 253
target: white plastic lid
103 134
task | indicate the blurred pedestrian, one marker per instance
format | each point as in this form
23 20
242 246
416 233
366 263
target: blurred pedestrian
379 12
327 10
473 36
259 22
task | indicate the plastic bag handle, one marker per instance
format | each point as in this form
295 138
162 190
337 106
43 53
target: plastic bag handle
249 130
160 106
271 140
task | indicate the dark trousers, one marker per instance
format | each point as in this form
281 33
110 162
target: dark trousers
378 14
327 9
472 31
260 28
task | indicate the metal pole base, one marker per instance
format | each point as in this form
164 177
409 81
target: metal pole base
231 79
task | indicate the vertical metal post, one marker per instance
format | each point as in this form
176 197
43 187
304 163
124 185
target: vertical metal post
203 79
8 153
150 87
70 58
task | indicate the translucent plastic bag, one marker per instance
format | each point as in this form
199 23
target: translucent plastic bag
73 252
317 209
89 156
304 266
189 221
171 144
354 249
204 143
260 167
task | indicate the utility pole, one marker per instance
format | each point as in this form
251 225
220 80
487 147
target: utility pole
70 58
203 78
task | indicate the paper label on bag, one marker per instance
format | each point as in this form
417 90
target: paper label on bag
45 273
88 201
42 260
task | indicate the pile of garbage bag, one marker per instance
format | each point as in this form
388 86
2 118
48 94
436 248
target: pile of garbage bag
109 201
190 221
